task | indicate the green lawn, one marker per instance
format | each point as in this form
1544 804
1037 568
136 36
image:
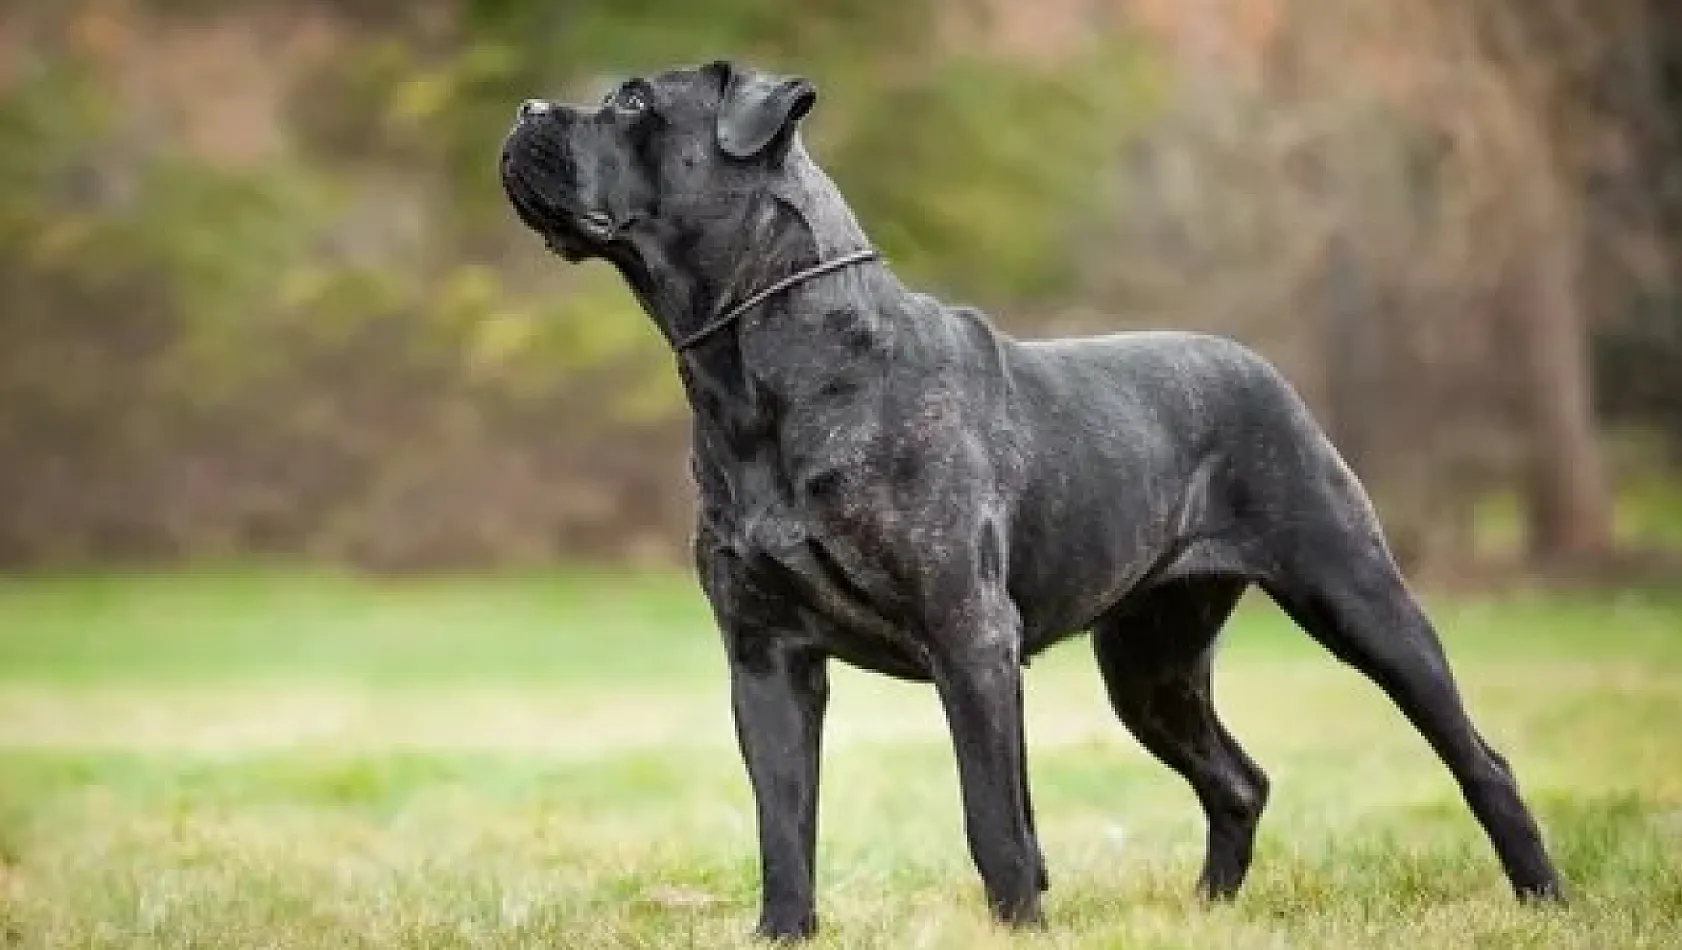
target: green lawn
271 760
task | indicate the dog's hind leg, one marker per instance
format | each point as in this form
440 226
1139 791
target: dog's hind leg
1333 574
1156 652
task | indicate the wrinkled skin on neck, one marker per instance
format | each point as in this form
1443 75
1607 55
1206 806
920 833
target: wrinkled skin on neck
686 276
651 193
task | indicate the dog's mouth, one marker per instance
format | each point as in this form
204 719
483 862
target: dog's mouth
575 234
577 238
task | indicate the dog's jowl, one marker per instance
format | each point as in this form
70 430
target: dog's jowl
891 482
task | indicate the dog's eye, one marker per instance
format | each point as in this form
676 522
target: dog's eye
630 100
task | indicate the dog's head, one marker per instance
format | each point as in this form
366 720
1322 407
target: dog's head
675 152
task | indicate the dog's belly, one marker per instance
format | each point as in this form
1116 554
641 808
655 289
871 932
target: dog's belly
1083 541
1080 595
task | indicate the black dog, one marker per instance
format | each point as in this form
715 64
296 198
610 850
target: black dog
894 483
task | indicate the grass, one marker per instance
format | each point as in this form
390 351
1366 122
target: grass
275 760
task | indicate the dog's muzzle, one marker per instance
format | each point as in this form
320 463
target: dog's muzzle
532 160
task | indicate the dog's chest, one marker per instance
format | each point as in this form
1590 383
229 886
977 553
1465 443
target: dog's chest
817 593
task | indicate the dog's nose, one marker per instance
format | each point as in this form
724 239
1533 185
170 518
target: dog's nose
532 108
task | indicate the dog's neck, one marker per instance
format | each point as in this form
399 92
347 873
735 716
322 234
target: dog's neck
686 278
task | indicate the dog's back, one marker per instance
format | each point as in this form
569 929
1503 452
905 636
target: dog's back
1177 445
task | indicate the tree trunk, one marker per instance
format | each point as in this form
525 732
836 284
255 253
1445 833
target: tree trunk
1567 508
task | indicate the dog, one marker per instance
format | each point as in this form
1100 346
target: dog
892 482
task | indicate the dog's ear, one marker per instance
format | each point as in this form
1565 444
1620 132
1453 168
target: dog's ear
759 111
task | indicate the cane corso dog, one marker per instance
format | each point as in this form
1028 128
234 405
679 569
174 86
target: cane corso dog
892 482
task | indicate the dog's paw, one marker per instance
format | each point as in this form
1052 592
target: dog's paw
1021 915
791 928
1549 892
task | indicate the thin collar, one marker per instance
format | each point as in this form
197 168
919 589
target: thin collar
735 313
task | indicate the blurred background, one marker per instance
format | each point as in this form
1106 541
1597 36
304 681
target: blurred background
344 599
260 296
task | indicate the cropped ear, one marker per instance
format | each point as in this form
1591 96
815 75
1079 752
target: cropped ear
759 110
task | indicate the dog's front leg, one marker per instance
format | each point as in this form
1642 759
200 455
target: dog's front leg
979 678
778 693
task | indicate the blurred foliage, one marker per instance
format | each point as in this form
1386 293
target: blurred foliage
1012 195
291 354
342 345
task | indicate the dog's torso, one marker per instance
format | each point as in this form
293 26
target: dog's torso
890 482
896 462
